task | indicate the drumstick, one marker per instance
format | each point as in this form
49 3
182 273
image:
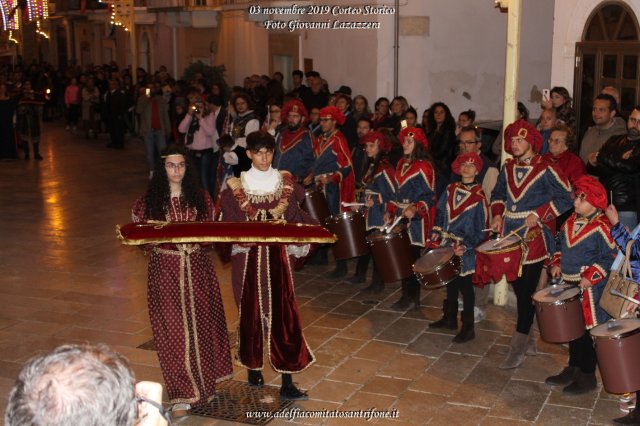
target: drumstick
345 204
624 296
515 231
393 225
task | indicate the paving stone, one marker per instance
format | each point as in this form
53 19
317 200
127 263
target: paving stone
561 415
356 370
386 386
520 400
369 325
404 330
336 351
333 391
450 414
430 344
352 307
604 411
336 321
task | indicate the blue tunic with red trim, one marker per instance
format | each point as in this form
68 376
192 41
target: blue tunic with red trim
294 152
381 188
533 186
332 156
586 250
461 215
416 187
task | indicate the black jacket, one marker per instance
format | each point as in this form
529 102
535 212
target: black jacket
620 176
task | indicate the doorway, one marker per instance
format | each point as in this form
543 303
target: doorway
609 55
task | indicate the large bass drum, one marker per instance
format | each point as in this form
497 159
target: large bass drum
315 203
559 313
392 254
617 347
350 228
437 268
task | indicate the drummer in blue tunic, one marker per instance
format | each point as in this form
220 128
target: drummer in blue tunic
529 194
584 257
294 145
462 215
379 189
333 172
415 201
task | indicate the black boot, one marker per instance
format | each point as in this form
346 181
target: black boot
449 318
377 285
467 332
413 288
340 271
361 270
565 377
36 151
404 301
255 378
582 383
633 418
289 391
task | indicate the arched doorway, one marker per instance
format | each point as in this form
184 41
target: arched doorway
608 55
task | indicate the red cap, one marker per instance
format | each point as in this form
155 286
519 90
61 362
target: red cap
332 113
591 191
373 137
467 157
522 129
295 105
416 133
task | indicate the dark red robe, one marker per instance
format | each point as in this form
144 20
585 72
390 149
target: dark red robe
263 280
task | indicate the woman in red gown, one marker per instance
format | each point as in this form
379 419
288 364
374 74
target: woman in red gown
185 306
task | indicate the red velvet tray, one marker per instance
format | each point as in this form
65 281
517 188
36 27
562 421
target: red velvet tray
228 232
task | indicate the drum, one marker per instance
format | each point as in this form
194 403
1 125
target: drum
495 258
559 313
316 205
392 254
437 268
351 230
617 347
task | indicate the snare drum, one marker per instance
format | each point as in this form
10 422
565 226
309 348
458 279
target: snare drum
351 230
617 347
559 313
437 268
392 254
495 258
315 203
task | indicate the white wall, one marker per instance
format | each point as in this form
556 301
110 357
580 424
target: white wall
570 18
461 60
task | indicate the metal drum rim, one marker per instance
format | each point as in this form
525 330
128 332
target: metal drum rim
437 268
557 302
619 336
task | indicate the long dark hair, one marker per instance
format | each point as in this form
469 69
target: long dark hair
449 123
158 196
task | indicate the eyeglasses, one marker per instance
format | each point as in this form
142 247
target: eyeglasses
173 166
634 121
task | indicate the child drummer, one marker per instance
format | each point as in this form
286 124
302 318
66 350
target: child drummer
586 252
461 218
